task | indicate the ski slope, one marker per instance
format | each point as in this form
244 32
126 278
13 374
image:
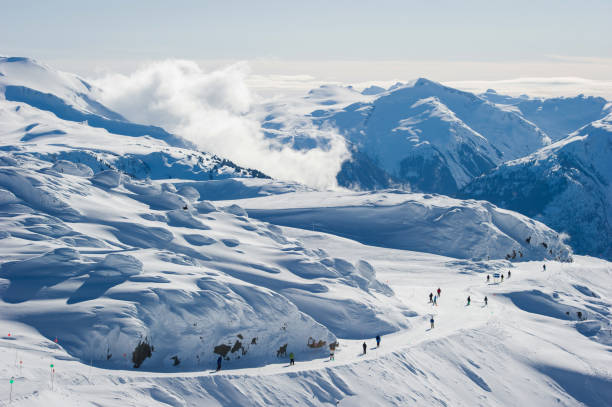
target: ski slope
495 355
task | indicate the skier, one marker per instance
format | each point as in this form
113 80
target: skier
435 300
291 359
364 348
439 292
430 297
488 278
486 301
543 267
502 277
431 321
469 300
331 355
509 274
377 341
219 359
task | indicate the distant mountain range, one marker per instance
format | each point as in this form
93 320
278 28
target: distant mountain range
428 137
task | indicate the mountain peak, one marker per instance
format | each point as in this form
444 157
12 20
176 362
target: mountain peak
425 82
373 90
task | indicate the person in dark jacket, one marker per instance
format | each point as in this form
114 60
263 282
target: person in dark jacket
469 300
430 297
377 341
431 321
219 360
365 347
439 292
486 300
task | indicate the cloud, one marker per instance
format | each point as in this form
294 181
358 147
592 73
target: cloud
212 110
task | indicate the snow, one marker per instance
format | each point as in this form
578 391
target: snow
112 242
566 185
418 222
558 117
497 355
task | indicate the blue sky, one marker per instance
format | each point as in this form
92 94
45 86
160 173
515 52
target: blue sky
487 39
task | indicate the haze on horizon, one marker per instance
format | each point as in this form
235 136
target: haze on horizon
318 41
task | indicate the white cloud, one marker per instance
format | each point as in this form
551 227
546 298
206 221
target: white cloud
211 109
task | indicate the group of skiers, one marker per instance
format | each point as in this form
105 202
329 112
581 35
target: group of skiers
433 299
331 353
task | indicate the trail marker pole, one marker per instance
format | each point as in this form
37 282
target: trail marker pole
11 392
52 376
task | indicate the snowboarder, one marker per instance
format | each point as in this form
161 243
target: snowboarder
431 321
486 301
439 292
219 360
488 278
365 347
291 359
435 302
469 300
430 297
377 341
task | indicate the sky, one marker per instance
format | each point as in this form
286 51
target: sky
347 41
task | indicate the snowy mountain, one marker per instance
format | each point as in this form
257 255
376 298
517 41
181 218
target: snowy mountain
424 135
130 261
50 106
557 117
566 185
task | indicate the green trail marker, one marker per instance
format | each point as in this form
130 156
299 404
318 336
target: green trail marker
11 393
